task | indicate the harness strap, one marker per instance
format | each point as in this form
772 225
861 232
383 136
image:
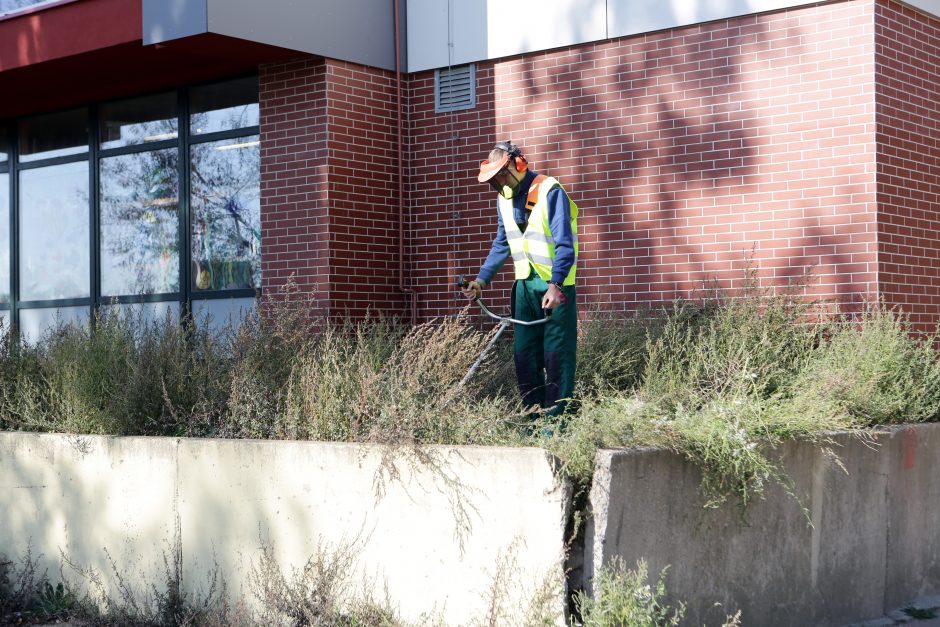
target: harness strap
533 196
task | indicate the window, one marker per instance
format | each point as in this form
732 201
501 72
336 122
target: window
139 204
224 106
4 146
138 121
150 204
5 222
4 238
54 135
54 256
226 214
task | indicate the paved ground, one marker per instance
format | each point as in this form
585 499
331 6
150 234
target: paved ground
926 606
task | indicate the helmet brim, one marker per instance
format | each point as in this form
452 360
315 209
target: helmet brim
489 169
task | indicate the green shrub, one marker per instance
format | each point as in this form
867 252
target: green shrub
871 371
612 351
624 598
722 381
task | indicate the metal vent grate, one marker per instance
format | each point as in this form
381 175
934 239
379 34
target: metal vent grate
455 88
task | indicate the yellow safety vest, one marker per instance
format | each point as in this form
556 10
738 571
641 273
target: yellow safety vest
536 248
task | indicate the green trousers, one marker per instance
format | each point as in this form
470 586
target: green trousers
545 354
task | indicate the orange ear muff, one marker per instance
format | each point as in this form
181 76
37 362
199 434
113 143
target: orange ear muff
521 164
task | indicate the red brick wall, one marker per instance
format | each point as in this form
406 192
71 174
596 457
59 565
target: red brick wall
363 191
294 208
684 149
908 106
329 184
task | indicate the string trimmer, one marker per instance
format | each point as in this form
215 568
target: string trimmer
504 322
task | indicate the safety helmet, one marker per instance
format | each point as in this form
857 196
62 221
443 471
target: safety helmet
512 157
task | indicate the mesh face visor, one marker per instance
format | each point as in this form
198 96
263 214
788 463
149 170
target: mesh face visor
501 178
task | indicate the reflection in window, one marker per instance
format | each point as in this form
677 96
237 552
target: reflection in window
54 135
53 212
138 120
226 214
146 313
4 145
220 314
140 223
35 323
4 238
224 106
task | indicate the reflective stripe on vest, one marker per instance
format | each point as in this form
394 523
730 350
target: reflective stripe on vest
535 248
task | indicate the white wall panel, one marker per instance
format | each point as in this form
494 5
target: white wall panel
528 25
489 29
629 17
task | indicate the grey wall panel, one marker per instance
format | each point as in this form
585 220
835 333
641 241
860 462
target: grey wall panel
361 31
927 6
428 33
172 19
629 17
469 20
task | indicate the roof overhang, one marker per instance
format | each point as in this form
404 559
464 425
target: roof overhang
80 51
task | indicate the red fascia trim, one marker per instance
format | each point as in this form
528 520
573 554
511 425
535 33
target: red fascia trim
68 28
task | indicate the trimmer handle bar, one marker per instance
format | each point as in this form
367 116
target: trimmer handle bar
463 283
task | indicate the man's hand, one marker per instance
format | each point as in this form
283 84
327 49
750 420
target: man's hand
473 290
553 297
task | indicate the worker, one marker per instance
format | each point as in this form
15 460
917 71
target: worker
538 228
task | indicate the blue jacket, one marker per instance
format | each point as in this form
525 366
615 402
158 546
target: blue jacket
559 221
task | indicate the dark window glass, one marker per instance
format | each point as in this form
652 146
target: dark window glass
138 120
224 106
53 252
4 238
140 223
54 135
4 145
226 214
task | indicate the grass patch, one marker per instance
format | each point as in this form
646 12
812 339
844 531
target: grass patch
722 381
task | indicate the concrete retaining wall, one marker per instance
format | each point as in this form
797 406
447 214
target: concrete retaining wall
874 544
430 531
433 531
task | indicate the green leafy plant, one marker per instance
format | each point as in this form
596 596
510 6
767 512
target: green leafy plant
625 598
54 601
920 613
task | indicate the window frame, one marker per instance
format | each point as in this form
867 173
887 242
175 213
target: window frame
6 167
183 143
